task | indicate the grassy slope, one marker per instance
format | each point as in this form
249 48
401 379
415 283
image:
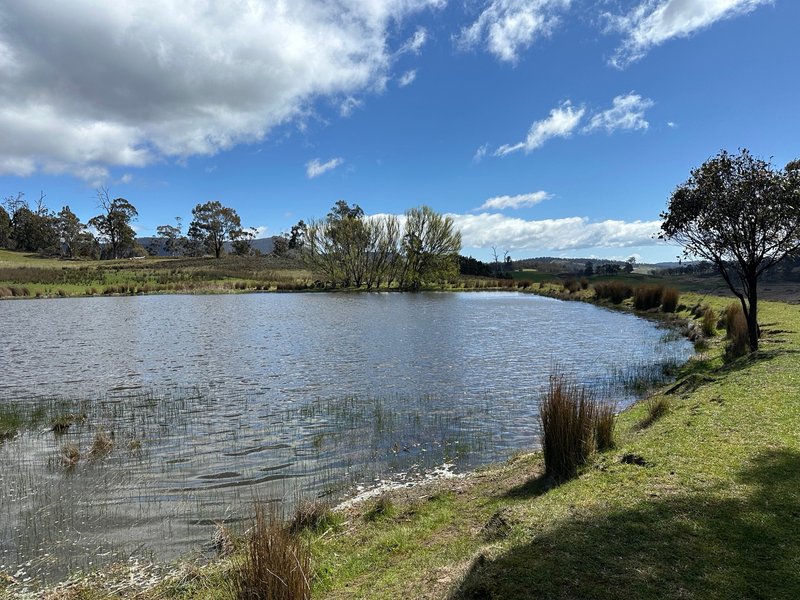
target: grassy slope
715 513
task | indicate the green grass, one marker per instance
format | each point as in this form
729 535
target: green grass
712 510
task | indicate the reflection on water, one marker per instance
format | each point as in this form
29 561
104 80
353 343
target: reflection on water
215 400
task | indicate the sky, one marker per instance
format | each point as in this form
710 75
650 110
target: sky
542 127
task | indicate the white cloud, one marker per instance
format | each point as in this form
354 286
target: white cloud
349 104
501 202
88 85
626 112
480 153
260 231
507 27
126 178
571 233
407 78
415 42
671 124
561 122
653 22
315 168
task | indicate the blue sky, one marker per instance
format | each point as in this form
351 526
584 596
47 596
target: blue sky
545 127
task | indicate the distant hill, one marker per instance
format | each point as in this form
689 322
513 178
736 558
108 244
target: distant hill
156 245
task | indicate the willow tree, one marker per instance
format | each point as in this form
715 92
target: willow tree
743 215
431 245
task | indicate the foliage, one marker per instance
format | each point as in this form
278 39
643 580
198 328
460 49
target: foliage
70 229
5 228
431 245
243 244
114 224
743 215
174 242
214 224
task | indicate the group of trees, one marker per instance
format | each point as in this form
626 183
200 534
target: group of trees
349 249
38 229
211 227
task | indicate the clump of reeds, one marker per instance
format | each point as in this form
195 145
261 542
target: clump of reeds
669 300
646 297
604 423
570 425
709 322
570 285
584 283
615 291
102 445
70 455
313 516
737 332
276 563
657 407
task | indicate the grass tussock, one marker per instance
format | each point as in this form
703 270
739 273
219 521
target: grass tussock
276 563
605 421
736 332
572 424
382 508
102 445
709 322
313 515
70 455
615 291
669 300
646 297
657 407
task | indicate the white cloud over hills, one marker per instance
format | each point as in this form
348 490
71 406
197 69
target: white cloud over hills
570 233
87 85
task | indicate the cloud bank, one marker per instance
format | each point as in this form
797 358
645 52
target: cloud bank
87 85
570 233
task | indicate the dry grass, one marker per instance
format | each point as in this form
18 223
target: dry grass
736 332
102 445
709 322
312 515
605 421
669 300
615 291
70 455
646 297
657 407
276 563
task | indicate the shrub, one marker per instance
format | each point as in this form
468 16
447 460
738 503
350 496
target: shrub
584 283
616 291
736 332
669 300
276 564
646 297
567 415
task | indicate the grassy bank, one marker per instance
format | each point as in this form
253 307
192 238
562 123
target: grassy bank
703 502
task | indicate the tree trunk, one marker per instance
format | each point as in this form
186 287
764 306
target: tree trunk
752 314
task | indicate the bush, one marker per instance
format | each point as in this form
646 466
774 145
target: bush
709 322
646 297
570 285
584 283
669 300
567 414
276 564
616 291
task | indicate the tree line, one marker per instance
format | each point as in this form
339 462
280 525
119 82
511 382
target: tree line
345 249
110 234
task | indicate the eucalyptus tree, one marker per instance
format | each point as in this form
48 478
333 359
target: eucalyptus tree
113 225
214 224
743 215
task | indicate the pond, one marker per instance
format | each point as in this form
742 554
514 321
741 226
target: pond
210 402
